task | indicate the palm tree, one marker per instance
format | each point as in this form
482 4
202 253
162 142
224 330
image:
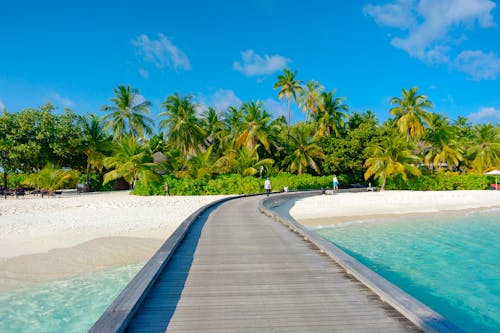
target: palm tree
129 114
213 125
330 119
242 161
305 153
485 149
289 87
310 98
442 145
390 158
461 122
278 126
278 138
201 165
234 120
410 112
157 143
131 161
357 119
463 128
183 128
96 144
51 178
256 126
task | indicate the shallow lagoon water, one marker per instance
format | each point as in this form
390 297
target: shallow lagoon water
450 264
69 305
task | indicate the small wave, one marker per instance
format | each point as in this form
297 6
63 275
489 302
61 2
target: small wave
491 210
346 224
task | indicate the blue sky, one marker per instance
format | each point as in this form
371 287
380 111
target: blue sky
224 52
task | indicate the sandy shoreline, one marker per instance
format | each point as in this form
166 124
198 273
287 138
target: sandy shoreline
34 225
344 207
47 239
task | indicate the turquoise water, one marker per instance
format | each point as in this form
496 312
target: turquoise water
450 264
70 305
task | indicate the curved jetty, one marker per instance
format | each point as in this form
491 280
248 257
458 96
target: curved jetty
230 268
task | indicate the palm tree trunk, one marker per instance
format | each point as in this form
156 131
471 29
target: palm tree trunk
87 180
383 184
5 183
289 117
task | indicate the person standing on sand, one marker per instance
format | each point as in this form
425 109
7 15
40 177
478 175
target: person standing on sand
267 186
167 189
335 183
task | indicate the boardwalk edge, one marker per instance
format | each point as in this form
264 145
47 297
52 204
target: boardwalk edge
418 313
117 316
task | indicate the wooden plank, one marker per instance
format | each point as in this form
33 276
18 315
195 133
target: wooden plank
234 270
418 313
117 315
246 273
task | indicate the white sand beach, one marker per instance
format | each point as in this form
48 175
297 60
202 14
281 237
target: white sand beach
51 238
341 207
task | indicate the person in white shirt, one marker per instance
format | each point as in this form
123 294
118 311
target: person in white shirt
267 186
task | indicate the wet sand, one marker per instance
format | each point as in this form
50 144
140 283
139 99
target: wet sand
53 238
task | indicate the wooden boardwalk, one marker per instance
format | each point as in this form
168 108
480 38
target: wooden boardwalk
239 271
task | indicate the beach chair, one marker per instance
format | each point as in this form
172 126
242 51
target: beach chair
19 192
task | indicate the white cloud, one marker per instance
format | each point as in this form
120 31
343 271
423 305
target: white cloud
161 52
436 55
199 108
478 65
430 23
398 14
144 73
220 100
487 114
138 99
253 64
276 108
57 99
2 105
223 98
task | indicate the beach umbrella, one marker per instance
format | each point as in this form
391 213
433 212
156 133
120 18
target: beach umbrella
496 173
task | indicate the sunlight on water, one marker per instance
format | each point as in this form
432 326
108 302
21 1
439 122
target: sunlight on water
450 264
70 305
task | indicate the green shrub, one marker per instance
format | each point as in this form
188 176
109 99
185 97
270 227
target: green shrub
96 182
300 182
14 180
232 184
441 181
52 178
237 184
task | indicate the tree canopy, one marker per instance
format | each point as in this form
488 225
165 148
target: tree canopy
199 142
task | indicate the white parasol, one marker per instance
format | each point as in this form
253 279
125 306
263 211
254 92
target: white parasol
496 173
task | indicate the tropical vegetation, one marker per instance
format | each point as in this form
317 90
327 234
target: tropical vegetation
201 150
